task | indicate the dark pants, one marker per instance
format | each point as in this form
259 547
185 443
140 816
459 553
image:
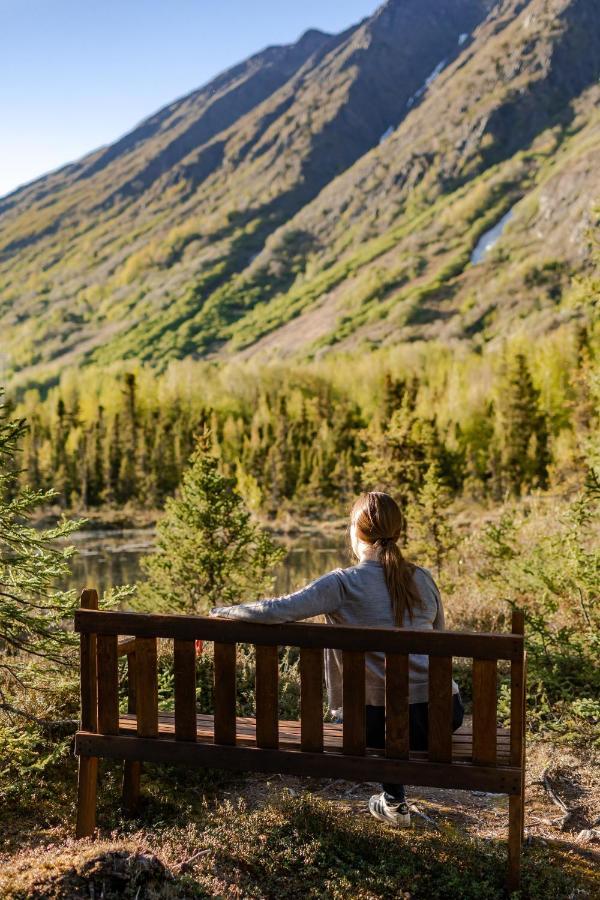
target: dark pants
418 723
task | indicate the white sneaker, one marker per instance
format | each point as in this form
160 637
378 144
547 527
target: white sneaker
393 813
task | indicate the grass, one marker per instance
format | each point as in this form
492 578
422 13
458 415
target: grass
203 834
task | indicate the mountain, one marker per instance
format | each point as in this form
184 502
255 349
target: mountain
330 193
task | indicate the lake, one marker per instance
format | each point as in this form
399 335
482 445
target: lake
107 559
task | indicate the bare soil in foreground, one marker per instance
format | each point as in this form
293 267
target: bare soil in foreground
554 777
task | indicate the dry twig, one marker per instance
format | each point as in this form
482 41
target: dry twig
567 813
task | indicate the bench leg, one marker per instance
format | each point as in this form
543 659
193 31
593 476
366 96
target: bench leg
515 841
86 796
131 785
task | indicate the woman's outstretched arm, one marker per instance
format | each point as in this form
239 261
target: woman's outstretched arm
321 596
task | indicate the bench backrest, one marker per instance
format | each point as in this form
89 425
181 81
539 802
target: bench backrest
100 651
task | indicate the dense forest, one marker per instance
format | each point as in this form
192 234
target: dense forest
304 439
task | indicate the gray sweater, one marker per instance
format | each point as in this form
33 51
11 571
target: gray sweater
354 596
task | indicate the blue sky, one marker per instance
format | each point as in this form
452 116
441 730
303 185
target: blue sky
76 74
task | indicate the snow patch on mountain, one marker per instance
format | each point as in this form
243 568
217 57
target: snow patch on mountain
426 84
489 238
435 73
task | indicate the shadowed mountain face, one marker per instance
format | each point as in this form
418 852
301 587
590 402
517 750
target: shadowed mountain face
324 193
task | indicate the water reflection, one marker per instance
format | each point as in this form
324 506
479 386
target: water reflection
107 559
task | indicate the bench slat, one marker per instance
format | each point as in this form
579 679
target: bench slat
311 699
396 706
89 672
353 699
290 735
131 681
440 709
224 655
304 634
108 684
147 687
327 765
484 711
517 697
267 718
184 671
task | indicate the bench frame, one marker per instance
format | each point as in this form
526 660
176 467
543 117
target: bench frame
101 736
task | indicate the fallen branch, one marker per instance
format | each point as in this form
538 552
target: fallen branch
43 723
187 862
534 823
417 812
328 786
567 813
353 789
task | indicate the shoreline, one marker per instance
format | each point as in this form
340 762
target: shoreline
117 520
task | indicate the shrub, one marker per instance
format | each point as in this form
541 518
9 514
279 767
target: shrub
557 581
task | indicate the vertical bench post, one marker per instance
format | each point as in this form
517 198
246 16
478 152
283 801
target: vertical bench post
147 687
485 705
132 768
267 719
87 779
440 709
108 684
396 706
311 699
517 758
225 726
353 699
184 666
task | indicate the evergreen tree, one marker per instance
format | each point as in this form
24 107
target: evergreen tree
97 481
277 468
31 473
60 464
128 472
32 610
209 552
115 455
398 456
432 534
584 403
393 394
524 432
476 443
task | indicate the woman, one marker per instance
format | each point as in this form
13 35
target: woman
384 590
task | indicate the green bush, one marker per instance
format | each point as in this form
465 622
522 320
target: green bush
556 580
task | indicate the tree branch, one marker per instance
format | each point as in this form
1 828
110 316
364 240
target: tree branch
43 723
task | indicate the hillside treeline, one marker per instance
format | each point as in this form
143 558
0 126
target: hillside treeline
305 438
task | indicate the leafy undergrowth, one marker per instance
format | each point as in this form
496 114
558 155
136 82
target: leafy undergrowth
200 834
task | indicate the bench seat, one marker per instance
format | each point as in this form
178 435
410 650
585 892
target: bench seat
289 735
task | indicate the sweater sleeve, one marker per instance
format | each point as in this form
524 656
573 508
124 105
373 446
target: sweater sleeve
321 596
439 623
430 590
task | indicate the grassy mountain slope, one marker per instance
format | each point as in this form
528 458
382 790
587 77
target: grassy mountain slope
399 227
329 192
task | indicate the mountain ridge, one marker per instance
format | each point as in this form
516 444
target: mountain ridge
226 224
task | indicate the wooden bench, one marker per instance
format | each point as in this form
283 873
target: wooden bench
483 758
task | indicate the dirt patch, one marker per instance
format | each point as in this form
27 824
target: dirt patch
575 781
